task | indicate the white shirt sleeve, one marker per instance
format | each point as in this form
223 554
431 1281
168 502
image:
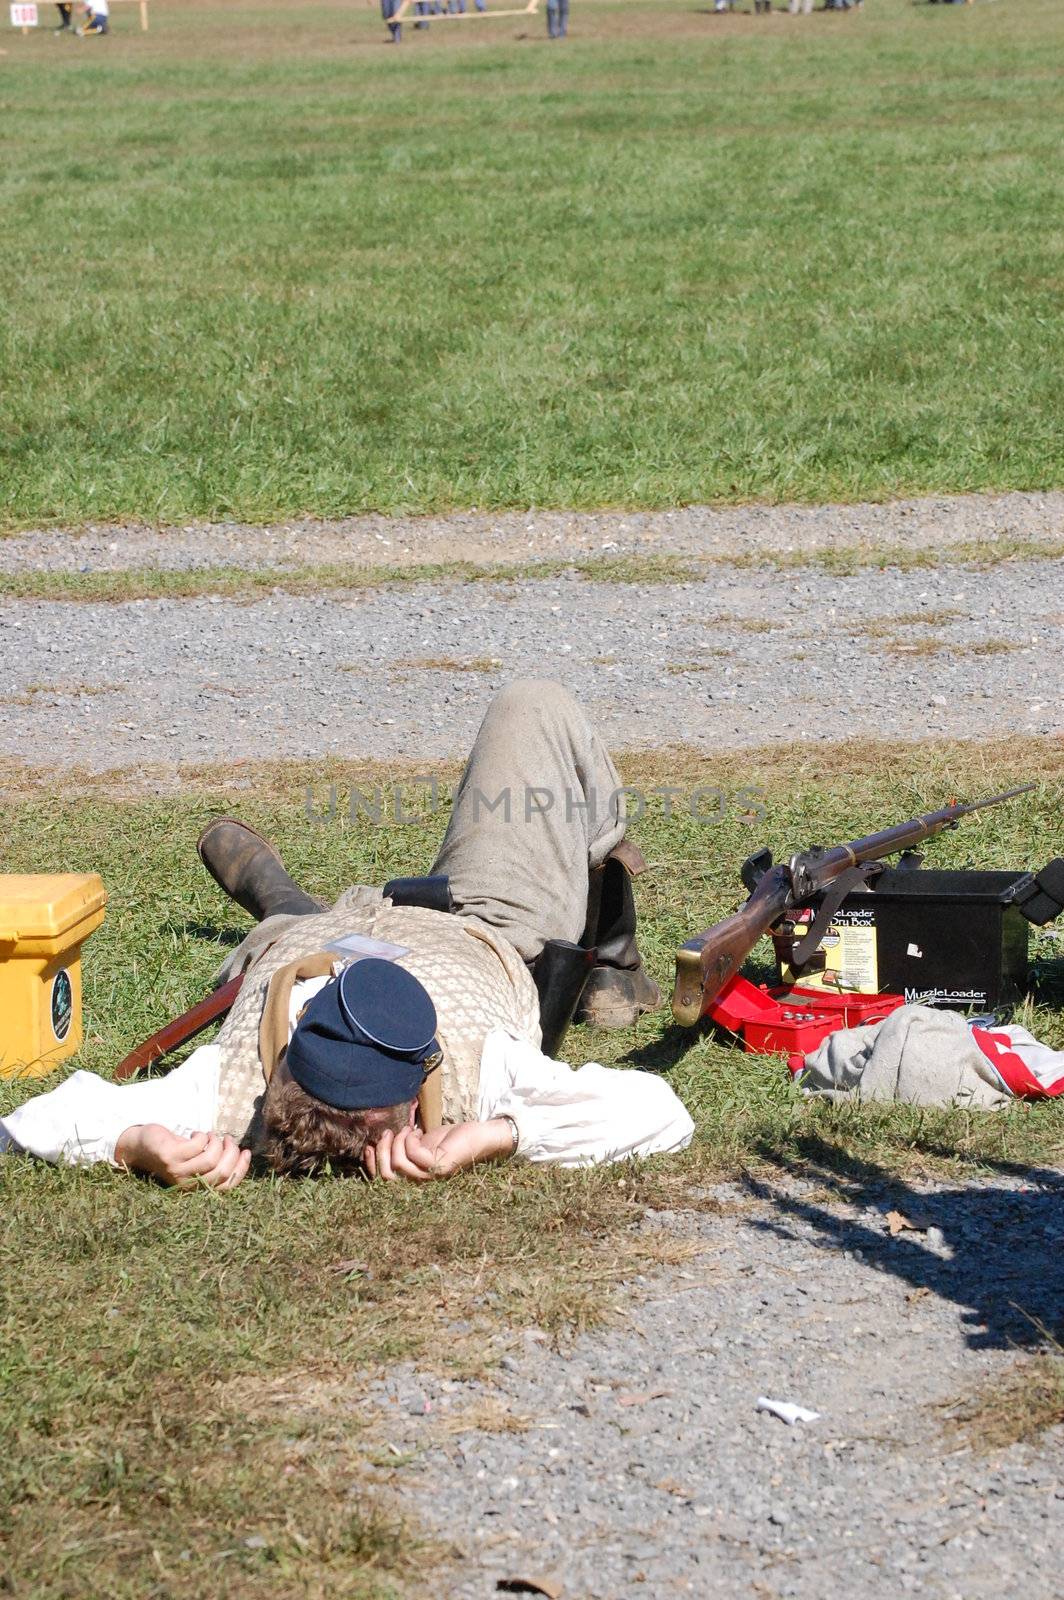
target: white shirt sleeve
80 1121
578 1118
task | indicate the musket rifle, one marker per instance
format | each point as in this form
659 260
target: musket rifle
707 962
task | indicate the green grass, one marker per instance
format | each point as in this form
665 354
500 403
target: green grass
255 264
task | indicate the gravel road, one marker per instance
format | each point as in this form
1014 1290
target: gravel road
641 1466
734 659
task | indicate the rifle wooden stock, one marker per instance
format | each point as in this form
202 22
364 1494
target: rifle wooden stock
706 963
179 1031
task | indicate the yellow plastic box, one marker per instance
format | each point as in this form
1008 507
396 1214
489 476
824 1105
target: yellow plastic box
45 919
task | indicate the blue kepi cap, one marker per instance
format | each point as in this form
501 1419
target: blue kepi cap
364 1039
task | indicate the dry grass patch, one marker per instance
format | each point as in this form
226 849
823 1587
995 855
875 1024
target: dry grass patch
854 770
986 647
885 631
982 555
751 624
666 569
935 647
35 691
487 1415
1013 1409
849 766
887 627
247 584
447 664
677 669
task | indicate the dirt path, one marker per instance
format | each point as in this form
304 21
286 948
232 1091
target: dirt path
490 537
732 661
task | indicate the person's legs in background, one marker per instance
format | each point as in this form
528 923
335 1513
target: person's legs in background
395 29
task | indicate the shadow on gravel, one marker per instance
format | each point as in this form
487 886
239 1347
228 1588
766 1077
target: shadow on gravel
999 1257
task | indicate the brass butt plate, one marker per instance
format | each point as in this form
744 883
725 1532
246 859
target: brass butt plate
687 990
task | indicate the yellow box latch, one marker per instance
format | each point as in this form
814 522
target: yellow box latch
45 919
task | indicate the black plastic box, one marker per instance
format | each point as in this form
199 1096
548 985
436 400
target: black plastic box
949 939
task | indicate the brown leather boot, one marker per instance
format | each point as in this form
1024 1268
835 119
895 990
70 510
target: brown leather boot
250 871
619 989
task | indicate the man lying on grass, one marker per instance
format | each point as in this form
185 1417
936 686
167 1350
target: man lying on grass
422 1057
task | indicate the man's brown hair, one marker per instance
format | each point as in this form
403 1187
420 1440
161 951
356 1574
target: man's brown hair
302 1135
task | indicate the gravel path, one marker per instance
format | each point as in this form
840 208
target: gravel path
525 536
733 660
642 1467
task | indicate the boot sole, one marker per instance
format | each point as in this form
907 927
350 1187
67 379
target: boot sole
606 1004
234 822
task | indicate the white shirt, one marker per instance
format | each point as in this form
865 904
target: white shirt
571 1118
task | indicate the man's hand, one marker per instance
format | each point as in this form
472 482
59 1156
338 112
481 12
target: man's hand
209 1159
420 1157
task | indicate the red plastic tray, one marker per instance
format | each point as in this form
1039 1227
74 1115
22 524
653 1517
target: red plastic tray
793 1021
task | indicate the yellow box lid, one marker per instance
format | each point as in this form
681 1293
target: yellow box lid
45 905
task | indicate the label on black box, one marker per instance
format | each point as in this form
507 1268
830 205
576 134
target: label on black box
62 1004
945 997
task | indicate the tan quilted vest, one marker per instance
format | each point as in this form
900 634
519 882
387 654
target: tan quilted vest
476 979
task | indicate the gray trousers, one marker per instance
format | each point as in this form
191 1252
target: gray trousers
540 803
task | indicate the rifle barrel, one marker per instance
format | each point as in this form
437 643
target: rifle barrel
993 800
925 827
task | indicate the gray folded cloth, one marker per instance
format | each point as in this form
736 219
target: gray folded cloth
918 1056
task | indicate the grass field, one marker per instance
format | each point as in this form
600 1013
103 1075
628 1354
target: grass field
255 263
182 1373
